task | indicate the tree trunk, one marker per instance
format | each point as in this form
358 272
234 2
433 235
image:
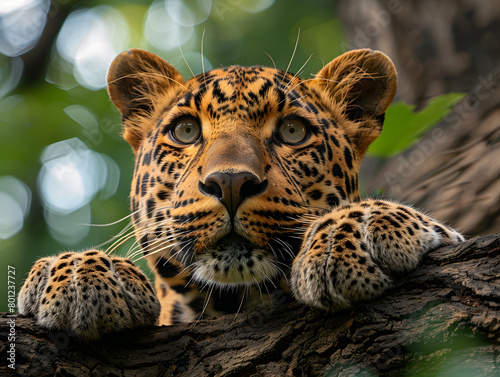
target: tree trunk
440 46
445 316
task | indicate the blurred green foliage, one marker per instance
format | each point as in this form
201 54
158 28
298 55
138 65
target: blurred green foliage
404 126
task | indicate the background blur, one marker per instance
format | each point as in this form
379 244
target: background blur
63 164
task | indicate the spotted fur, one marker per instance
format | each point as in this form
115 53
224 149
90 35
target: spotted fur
88 294
245 188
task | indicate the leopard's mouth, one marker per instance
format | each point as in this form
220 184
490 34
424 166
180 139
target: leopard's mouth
234 260
233 242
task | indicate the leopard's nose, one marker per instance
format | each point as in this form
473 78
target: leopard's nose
232 188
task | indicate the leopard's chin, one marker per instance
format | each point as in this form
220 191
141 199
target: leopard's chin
234 261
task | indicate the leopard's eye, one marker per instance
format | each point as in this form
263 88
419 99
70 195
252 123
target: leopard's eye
186 130
292 131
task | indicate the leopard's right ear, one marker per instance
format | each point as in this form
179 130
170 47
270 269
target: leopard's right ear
135 79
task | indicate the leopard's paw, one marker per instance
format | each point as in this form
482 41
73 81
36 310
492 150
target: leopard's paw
353 252
88 294
334 268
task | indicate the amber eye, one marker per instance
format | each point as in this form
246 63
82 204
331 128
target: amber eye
186 131
292 131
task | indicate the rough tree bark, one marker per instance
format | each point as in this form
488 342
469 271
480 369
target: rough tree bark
440 46
444 315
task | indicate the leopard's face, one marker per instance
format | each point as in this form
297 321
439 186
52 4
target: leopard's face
231 164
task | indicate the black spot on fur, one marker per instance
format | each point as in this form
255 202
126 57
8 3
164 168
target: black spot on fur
151 206
440 230
350 245
144 184
324 225
337 171
146 159
180 288
332 200
105 262
341 192
162 195
144 241
316 194
348 157
355 214
100 268
334 140
346 228
166 269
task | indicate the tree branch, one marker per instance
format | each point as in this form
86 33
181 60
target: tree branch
445 314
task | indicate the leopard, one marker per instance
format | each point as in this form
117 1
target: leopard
245 189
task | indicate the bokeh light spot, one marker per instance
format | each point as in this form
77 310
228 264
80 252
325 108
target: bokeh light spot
71 175
162 31
256 5
13 6
90 39
21 24
189 13
69 228
194 60
111 179
15 201
11 216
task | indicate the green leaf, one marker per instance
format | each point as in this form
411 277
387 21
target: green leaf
403 127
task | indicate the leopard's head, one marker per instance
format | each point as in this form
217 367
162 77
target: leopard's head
231 163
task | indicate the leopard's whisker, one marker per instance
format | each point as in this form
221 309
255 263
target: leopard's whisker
185 61
272 60
202 57
286 246
285 172
154 243
120 241
111 223
246 290
113 239
291 59
299 72
146 74
207 300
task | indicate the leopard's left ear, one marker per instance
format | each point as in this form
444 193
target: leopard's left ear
363 83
